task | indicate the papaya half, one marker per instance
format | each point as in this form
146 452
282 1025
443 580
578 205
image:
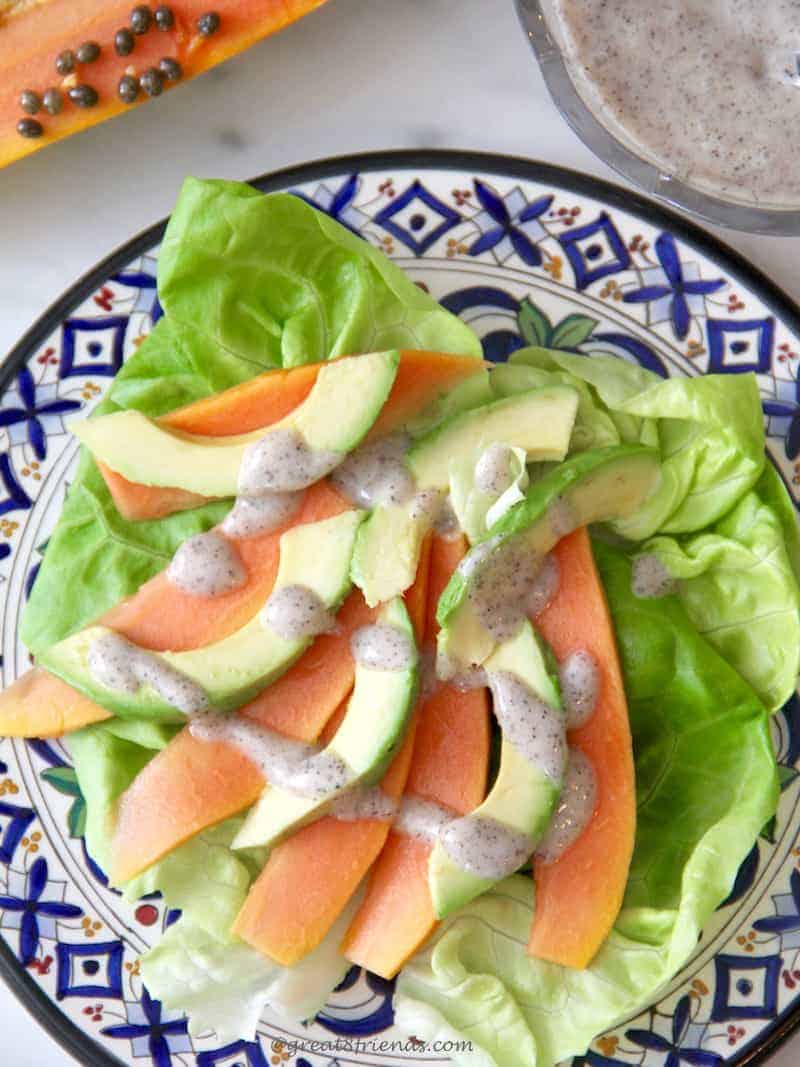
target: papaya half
69 64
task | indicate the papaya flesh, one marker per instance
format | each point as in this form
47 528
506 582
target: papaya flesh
34 34
422 377
449 767
161 617
40 705
578 896
309 878
193 784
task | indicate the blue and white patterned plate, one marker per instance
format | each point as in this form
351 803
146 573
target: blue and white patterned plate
526 254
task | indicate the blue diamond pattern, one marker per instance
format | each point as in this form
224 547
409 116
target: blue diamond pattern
402 217
595 251
14 822
93 346
738 347
77 961
746 987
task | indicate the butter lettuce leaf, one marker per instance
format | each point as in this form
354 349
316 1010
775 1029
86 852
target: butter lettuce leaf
706 784
248 282
739 589
223 984
271 280
709 430
203 877
711 435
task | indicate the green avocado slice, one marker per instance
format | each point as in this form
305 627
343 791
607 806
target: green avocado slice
523 797
388 545
539 421
369 735
347 397
594 486
233 670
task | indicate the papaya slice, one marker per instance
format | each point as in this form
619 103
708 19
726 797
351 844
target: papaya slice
40 705
309 878
422 378
161 617
35 33
449 767
578 896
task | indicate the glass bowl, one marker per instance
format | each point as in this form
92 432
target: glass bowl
611 146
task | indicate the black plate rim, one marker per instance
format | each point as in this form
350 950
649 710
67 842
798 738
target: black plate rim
80 1045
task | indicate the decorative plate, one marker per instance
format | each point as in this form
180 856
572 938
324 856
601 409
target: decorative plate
525 253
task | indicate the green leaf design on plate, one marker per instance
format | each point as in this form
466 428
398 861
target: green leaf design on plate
535 327
572 331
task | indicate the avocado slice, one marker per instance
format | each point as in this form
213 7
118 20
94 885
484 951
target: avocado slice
593 486
370 733
386 553
387 550
523 797
540 421
346 399
233 670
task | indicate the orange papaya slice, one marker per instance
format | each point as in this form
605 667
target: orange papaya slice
161 617
449 767
421 379
40 705
578 896
34 34
309 878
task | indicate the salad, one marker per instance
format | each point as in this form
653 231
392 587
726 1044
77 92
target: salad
369 652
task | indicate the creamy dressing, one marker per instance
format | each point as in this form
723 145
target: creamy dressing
119 665
650 578
421 819
485 847
376 473
579 675
253 515
494 469
382 647
459 675
277 757
575 808
445 523
708 91
509 583
294 611
282 462
536 730
206 565
563 517
307 770
545 586
319 775
428 504
362 803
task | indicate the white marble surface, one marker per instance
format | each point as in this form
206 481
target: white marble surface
356 75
